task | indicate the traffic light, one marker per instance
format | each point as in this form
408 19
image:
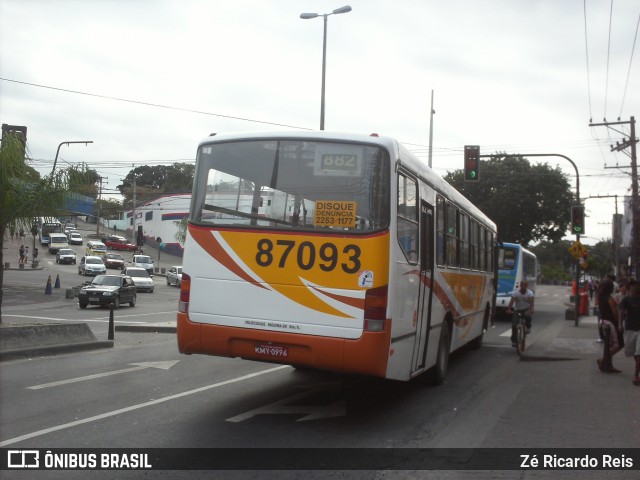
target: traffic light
577 219
471 163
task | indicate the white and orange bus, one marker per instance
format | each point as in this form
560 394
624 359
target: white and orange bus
331 251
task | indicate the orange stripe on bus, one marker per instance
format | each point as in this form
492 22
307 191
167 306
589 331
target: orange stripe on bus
210 243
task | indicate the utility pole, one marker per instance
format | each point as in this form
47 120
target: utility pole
133 219
635 201
99 208
615 233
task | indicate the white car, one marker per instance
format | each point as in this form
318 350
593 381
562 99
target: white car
75 238
141 278
174 276
91 266
143 261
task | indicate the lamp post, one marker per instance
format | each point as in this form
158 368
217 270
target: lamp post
306 16
67 144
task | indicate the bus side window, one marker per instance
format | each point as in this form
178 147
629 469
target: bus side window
408 218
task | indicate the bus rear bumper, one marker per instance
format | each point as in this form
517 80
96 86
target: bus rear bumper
367 355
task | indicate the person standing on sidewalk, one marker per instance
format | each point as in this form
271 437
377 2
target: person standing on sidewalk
21 254
609 321
630 313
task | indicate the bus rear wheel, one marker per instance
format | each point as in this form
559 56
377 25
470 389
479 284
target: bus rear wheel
439 371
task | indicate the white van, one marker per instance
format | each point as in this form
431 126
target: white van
143 261
57 241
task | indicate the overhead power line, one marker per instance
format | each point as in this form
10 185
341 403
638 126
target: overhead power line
157 105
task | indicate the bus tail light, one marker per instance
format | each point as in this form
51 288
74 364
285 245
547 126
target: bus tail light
185 291
375 309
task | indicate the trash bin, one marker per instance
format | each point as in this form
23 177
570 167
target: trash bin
584 304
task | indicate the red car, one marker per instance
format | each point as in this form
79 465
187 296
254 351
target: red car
120 244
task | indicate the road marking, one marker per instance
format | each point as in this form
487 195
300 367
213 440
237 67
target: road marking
96 320
158 401
314 412
138 366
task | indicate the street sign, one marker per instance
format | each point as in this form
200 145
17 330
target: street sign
577 250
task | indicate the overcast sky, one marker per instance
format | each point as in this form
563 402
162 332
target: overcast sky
146 80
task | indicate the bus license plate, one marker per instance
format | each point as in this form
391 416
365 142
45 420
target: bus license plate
267 350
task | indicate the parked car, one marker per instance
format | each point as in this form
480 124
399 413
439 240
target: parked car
174 276
91 266
141 278
96 248
120 244
143 261
75 238
107 289
113 260
112 238
66 255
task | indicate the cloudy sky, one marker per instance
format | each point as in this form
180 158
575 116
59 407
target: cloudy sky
146 80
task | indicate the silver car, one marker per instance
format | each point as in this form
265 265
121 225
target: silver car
174 276
66 255
91 266
141 278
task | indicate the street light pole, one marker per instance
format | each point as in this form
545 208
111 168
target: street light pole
67 144
306 16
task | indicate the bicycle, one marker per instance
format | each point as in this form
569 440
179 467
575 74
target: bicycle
521 331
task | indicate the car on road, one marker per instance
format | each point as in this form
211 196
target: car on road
91 266
174 276
113 260
96 248
119 243
75 238
141 278
107 289
66 255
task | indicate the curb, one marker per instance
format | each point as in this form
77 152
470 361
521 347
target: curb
54 349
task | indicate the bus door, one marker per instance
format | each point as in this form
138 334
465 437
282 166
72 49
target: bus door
425 293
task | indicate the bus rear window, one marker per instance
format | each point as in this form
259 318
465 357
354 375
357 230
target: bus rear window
292 184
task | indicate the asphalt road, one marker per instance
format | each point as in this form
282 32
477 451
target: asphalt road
143 393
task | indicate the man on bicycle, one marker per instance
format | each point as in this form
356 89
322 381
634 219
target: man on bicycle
523 300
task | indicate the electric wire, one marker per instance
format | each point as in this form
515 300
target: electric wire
626 85
606 88
586 46
157 105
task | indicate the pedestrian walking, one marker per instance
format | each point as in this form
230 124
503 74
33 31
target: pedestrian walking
21 250
35 254
21 233
609 320
26 254
630 314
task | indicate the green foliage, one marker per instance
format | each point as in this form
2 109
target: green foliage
85 179
157 180
109 209
181 234
24 195
528 202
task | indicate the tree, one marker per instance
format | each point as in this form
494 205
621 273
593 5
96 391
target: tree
527 202
25 196
85 179
154 181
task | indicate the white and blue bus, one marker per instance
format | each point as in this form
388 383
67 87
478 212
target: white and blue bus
47 226
515 263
